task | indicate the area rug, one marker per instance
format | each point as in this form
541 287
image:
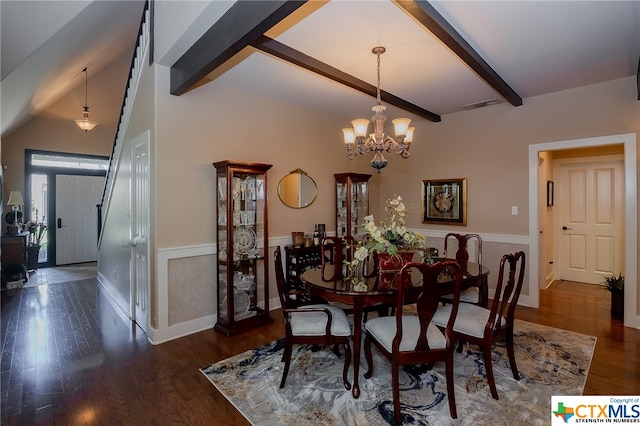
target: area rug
550 361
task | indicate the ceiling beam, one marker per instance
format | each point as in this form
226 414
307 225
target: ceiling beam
293 56
244 22
423 12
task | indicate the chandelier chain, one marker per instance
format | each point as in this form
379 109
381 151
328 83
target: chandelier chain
85 86
378 87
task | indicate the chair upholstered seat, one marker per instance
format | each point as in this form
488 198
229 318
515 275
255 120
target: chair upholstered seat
384 329
471 319
315 323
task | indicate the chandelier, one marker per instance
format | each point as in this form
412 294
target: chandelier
357 142
85 124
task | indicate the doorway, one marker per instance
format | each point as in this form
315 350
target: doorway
630 215
588 220
42 184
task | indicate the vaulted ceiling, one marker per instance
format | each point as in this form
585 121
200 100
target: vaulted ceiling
441 56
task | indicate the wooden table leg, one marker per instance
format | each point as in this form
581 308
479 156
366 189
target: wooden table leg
357 340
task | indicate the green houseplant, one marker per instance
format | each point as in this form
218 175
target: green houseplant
615 285
37 231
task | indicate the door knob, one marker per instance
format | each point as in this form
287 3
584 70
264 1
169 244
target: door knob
564 228
59 223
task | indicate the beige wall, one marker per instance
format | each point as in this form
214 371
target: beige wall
489 147
215 123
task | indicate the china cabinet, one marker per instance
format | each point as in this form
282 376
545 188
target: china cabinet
242 242
352 203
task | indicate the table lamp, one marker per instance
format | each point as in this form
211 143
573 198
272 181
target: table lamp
15 201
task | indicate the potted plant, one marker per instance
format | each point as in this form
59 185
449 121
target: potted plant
37 232
615 285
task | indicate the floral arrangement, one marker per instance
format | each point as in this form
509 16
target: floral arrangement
390 237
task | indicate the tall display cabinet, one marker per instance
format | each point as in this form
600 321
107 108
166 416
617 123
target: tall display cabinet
352 203
242 242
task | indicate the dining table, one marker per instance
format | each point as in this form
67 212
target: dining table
337 289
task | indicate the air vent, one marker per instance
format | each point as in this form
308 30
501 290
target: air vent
480 104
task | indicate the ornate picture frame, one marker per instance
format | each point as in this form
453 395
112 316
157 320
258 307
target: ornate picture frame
444 201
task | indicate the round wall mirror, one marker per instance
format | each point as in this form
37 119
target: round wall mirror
297 189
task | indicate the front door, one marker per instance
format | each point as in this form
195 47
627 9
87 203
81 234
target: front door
77 218
590 218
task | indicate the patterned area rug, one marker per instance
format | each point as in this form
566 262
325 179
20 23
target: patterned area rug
550 361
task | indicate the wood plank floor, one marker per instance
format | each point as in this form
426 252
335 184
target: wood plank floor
70 358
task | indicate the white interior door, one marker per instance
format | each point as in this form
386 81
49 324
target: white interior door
590 222
140 218
77 218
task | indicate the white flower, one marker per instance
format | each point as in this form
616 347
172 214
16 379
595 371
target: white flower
361 253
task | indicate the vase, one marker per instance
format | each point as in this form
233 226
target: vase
617 303
389 266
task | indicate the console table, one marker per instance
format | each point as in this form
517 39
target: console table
14 252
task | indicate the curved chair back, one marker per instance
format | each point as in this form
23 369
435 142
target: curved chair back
289 297
341 249
427 301
507 291
462 254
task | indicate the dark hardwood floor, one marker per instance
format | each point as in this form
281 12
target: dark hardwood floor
70 358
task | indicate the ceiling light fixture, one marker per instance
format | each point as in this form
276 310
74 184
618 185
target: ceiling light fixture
377 141
85 124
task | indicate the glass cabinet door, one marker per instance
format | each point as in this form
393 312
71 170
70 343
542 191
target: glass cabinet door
352 203
242 282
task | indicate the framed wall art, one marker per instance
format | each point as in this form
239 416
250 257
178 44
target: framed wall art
444 201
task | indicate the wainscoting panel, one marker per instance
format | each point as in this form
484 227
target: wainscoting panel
186 296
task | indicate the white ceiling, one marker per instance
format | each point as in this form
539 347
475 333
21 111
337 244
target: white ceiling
47 44
537 47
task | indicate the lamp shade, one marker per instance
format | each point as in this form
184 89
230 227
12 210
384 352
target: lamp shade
360 126
86 124
349 136
15 199
401 126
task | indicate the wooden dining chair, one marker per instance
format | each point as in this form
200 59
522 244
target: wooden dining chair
290 296
470 295
412 338
316 324
336 250
484 327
